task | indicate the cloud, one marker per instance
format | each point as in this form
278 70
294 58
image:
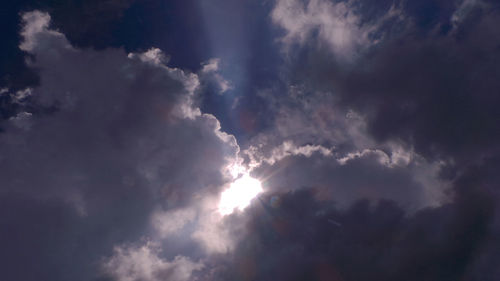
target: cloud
113 139
170 222
309 117
199 228
370 175
420 98
111 103
143 263
317 143
153 55
399 147
295 240
337 24
210 72
287 148
420 84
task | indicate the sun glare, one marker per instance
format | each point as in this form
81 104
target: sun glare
239 194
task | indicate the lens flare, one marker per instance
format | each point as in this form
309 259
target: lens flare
239 194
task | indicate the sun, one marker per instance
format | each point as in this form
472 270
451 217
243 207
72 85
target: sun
239 194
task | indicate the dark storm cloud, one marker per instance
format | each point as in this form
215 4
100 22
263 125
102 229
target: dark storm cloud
290 237
315 142
372 124
422 73
51 240
436 91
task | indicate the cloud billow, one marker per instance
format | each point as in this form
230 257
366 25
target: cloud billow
123 136
378 158
423 87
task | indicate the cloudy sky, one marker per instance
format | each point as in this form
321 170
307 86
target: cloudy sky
236 140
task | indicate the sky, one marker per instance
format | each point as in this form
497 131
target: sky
217 140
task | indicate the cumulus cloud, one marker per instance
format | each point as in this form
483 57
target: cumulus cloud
406 88
153 55
398 148
133 100
143 263
295 238
345 181
118 138
317 143
420 101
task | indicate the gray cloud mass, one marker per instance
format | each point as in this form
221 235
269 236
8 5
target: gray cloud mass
375 139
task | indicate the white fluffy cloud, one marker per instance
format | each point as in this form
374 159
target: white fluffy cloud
143 263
